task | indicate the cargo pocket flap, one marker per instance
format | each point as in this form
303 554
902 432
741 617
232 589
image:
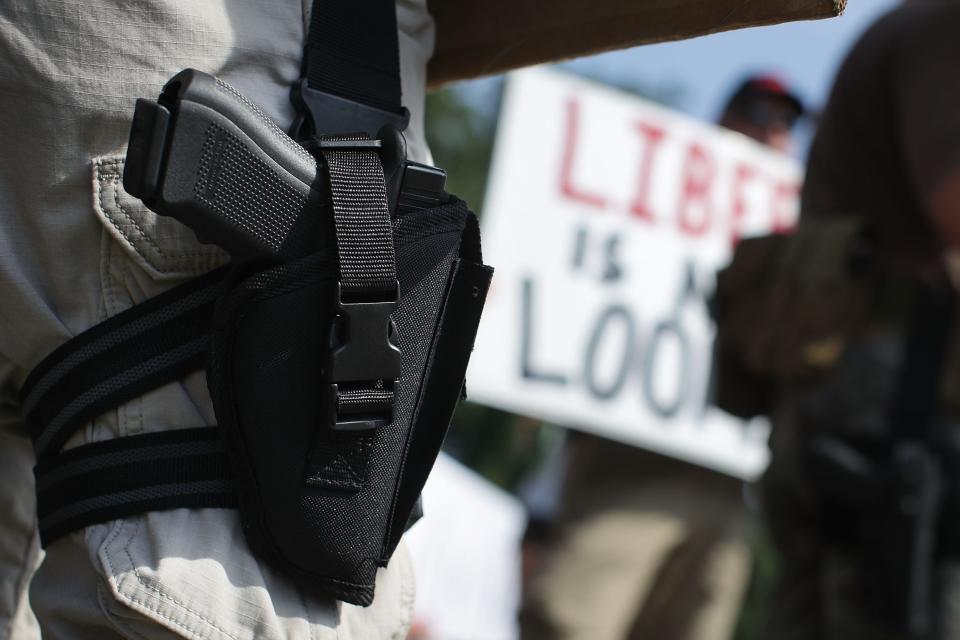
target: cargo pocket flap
162 246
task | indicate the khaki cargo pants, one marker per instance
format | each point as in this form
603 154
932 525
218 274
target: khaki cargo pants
648 548
75 249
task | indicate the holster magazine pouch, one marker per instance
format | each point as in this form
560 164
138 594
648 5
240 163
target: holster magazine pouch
786 308
335 343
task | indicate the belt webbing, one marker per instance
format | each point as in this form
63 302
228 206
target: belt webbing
352 51
127 476
149 345
365 255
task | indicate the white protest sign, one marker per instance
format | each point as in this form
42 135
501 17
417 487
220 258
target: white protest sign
606 219
466 557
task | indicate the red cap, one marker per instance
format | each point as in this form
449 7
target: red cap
765 85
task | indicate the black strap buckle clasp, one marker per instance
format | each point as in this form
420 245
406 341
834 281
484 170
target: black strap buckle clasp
363 355
319 112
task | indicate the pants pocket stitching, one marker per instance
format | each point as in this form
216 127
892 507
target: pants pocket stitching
166 596
114 179
121 626
132 233
152 607
115 182
178 257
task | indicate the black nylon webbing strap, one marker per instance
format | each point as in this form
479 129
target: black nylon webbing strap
352 51
368 289
103 481
364 400
129 354
366 262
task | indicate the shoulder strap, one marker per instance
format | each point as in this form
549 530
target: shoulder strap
351 70
352 52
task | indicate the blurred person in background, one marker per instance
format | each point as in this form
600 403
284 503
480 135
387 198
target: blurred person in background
763 108
844 333
647 546
886 153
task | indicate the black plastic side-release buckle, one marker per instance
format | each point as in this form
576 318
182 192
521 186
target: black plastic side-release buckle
363 350
319 112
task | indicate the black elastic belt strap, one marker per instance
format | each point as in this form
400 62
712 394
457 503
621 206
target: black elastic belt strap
352 51
94 483
133 352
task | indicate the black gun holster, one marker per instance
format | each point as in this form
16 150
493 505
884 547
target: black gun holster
886 516
335 343
329 469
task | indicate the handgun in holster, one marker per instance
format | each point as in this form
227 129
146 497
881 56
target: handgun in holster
335 343
883 501
886 515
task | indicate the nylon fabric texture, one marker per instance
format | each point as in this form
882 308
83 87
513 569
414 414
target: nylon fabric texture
365 253
352 55
129 476
330 515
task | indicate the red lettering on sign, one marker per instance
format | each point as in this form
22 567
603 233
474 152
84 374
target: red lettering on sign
783 205
742 174
698 177
567 186
652 137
